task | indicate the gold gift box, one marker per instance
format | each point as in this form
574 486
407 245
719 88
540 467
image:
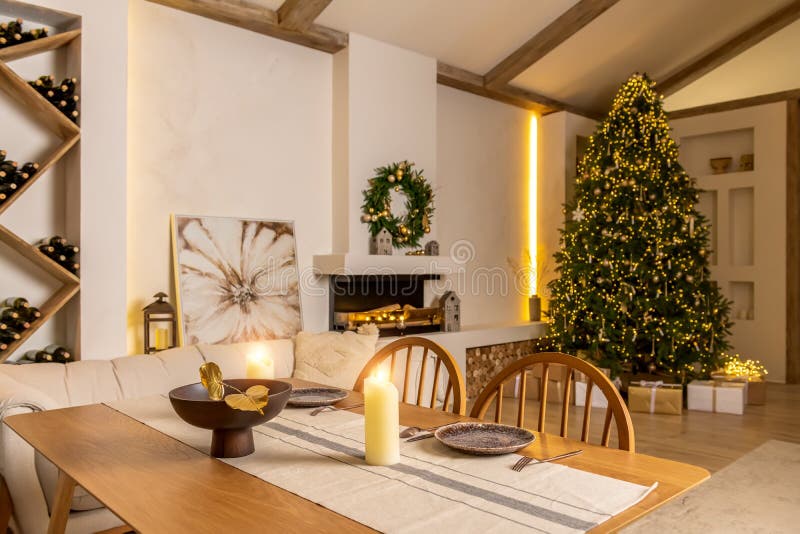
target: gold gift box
655 397
755 387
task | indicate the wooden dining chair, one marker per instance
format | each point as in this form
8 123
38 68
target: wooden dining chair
455 389
520 368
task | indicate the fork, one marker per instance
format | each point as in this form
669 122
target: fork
525 460
317 411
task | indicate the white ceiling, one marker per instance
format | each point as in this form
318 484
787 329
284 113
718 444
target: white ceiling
653 36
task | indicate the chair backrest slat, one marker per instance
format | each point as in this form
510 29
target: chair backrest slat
391 367
455 380
523 393
407 374
435 394
606 428
498 405
422 377
565 401
543 388
587 411
519 369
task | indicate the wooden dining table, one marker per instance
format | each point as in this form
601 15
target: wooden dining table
155 483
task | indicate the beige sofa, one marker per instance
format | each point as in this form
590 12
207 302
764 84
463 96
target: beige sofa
31 479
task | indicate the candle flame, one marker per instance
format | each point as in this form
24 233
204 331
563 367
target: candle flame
379 375
259 355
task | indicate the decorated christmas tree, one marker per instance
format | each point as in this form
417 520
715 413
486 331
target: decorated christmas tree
634 287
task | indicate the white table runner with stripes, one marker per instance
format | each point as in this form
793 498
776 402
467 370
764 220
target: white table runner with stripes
322 459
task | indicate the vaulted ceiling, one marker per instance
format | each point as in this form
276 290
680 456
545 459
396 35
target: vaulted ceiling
557 54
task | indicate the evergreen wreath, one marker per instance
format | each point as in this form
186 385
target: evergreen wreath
407 230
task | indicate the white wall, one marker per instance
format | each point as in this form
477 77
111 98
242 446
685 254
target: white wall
222 122
482 198
100 196
385 99
558 133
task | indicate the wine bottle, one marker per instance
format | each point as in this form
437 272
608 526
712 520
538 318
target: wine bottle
37 356
30 168
8 336
17 325
8 168
67 87
8 314
33 35
3 346
59 353
57 241
7 190
16 302
74 268
32 313
3 154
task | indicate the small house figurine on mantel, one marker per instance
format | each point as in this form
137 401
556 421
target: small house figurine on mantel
450 310
161 323
381 243
432 248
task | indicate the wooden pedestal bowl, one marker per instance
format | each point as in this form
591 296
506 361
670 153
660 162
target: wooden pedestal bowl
232 434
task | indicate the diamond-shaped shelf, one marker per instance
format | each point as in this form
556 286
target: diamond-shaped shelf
47 115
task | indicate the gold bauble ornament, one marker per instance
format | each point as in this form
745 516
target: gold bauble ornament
374 218
372 210
399 174
366 218
391 178
427 229
397 188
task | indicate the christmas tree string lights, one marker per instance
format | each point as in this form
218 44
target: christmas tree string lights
634 285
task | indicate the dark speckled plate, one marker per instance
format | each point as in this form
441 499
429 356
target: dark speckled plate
484 438
310 397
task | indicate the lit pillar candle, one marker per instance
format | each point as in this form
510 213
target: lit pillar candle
162 338
381 421
259 365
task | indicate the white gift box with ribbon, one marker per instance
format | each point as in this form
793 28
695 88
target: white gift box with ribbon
700 395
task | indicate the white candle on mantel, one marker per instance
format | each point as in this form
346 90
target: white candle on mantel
260 365
381 421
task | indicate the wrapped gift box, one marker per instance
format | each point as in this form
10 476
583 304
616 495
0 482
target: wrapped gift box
757 392
729 397
579 398
700 395
655 397
555 384
598 399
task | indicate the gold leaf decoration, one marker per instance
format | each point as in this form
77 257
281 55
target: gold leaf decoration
252 400
211 378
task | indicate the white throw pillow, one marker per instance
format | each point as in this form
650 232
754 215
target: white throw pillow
332 358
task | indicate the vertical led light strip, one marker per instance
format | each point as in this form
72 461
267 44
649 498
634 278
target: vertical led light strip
533 147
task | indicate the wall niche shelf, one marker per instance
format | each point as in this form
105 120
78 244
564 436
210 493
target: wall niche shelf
747 213
68 135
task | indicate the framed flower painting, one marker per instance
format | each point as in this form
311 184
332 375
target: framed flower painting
237 279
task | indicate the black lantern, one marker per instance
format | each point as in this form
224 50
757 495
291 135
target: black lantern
161 324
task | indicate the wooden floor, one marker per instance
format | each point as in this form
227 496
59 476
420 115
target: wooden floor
710 440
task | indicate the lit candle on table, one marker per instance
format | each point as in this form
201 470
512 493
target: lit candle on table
162 338
260 365
381 421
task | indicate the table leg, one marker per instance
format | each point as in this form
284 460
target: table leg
63 498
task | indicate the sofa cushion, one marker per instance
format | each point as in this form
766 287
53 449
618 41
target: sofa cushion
157 374
332 358
232 359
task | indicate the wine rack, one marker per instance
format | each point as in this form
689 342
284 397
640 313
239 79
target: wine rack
69 133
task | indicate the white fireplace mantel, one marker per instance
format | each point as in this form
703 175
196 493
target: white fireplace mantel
373 264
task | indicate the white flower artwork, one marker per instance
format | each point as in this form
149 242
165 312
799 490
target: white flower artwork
237 279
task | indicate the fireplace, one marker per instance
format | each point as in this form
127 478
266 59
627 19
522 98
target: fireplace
394 302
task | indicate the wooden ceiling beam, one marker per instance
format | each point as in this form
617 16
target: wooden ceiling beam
299 15
781 96
558 31
470 82
252 16
730 49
